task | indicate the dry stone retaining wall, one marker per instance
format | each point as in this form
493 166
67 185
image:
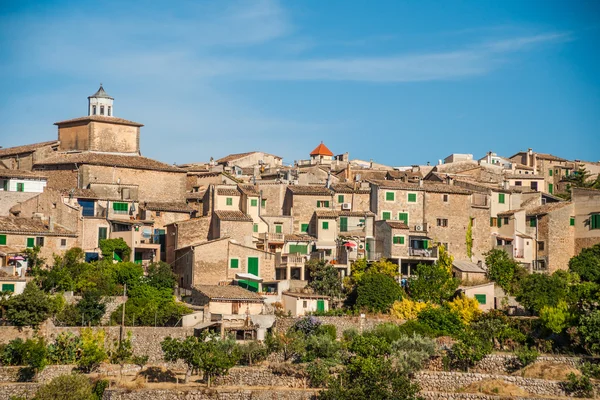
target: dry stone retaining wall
11 390
257 376
207 394
341 323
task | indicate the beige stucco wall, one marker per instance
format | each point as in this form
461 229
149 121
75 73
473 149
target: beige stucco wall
74 137
586 202
117 138
226 307
488 290
296 306
52 244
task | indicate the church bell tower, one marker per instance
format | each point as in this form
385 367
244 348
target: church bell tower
100 103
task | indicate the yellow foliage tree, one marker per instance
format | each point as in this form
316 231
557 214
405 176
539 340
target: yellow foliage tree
407 309
467 308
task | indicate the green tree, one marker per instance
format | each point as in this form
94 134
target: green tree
92 352
587 264
556 318
469 238
160 275
112 247
369 345
128 273
66 387
324 278
91 307
589 330
31 308
290 343
121 353
320 346
252 352
36 354
361 267
501 268
432 283
539 290
411 352
442 320
469 350
34 261
377 293
208 353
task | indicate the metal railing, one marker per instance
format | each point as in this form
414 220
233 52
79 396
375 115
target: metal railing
433 252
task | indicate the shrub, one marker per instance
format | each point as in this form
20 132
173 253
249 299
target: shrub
13 352
415 327
36 354
252 352
469 350
377 293
526 355
92 350
64 349
350 334
467 308
307 325
329 330
369 345
578 386
589 331
320 346
30 308
411 352
556 318
441 320
407 309
99 387
67 387
318 374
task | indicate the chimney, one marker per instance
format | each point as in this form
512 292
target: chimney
529 158
489 157
371 164
51 224
420 182
505 185
440 162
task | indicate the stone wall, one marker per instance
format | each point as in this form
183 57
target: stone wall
454 381
258 376
341 323
10 390
208 394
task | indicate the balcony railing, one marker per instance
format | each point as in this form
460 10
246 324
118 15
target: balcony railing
413 252
273 237
292 260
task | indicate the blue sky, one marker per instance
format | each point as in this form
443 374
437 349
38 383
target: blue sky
399 82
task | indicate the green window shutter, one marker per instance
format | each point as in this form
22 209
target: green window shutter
5 185
255 228
386 216
396 239
499 222
318 204
571 220
481 298
550 172
20 187
263 203
137 258
326 204
278 228
566 172
253 202
30 242
340 198
293 249
550 188
401 239
425 244
501 198
533 222
491 221
403 217
234 263
229 201
412 197
389 196
595 221
2 239
8 287
325 225
343 224
120 206
102 233
304 228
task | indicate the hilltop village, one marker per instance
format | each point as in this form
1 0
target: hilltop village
246 236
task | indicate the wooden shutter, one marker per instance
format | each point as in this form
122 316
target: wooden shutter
253 202
343 224
278 228
255 228
340 198
550 188
304 228
326 204
325 225
412 197
234 263
571 220
8 287
2 239
481 298
533 222
30 242
389 196
386 216
401 239
403 217
501 198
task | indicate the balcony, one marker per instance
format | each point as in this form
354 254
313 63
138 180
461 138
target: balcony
426 253
291 260
272 237
519 253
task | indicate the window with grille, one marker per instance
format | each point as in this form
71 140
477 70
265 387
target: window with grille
443 222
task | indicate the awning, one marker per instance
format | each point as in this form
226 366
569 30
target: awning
350 244
249 277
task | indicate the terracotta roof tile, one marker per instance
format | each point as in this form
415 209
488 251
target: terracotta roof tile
249 190
305 295
227 192
349 188
547 208
28 148
427 187
98 118
321 150
309 190
109 160
326 213
19 173
31 226
167 206
227 215
397 224
228 292
299 238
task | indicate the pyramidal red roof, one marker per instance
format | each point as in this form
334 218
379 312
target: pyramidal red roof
321 150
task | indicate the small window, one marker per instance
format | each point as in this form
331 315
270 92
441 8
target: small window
518 183
5 185
481 298
533 186
157 214
39 241
340 198
102 234
501 198
533 222
323 203
229 201
8 287
304 304
2 239
278 228
493 221
93 110
253 202
550 188
109 111
20 187
505 221
445 198
234 263
540 246
386 215
120 208
572 221
263 203
595 221
63 242
550 172
412 197
443 222
304 228
557 171
398 240
325 225
255 228
389 196
101 110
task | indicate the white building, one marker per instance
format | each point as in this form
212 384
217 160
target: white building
14 180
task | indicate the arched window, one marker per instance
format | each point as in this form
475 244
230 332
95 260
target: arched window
93 110
109 114
101 110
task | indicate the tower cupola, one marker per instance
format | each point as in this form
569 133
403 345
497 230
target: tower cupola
100 103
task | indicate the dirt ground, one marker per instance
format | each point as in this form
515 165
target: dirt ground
547 371
495 387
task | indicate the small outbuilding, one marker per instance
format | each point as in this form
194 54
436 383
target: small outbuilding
484 294
467 271
299 304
